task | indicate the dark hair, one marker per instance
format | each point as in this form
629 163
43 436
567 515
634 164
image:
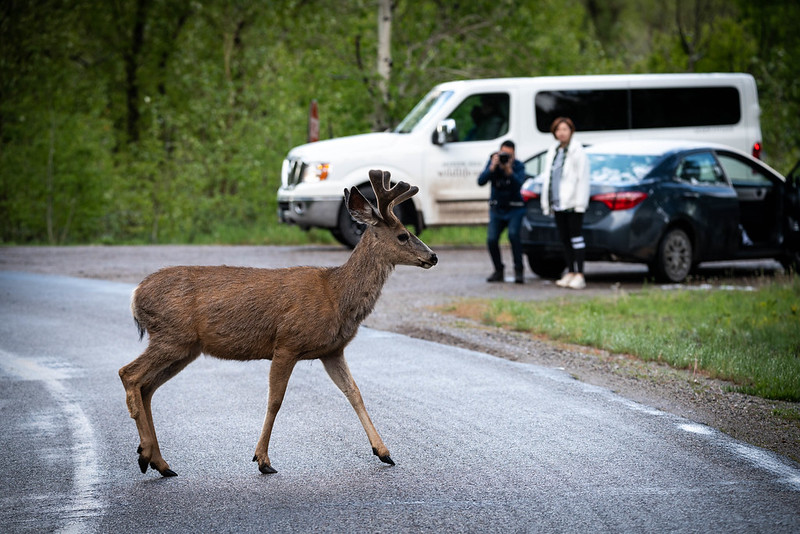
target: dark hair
509 143
559 120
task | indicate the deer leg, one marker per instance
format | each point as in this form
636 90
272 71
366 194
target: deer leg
337 369
279 372
141 378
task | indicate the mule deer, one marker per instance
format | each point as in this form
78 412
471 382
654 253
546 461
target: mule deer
283 315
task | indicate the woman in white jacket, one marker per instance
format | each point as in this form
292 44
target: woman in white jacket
565 193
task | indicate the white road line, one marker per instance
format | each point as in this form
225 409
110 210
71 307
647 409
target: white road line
81 512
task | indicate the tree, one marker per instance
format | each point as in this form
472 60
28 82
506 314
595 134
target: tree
154 120
384 68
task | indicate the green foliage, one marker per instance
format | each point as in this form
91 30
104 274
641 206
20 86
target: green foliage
749 338
160 121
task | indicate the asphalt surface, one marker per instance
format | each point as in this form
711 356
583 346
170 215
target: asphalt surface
481 444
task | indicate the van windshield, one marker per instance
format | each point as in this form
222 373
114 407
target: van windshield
620 168
424 109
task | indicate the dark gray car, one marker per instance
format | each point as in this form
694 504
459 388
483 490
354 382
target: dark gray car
672 205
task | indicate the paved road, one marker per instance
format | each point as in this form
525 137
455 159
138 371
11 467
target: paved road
481 444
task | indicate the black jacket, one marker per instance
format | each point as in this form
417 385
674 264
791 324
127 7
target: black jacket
505 189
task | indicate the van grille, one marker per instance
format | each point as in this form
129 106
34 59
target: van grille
294 172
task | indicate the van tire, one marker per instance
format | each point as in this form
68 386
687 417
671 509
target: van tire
348 232
675 257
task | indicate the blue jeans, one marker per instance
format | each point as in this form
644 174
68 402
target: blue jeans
499 220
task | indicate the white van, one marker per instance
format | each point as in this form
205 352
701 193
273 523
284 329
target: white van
445 141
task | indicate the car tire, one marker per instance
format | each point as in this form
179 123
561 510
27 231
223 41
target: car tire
548 267
790 261
675 257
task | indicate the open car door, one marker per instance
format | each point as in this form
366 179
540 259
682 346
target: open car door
792 211
793 190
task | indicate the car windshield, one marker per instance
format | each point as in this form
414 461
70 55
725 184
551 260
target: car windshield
620 168
425 108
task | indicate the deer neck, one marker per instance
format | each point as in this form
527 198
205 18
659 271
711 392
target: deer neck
361 278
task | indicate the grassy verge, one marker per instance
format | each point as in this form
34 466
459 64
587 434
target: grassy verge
751 338
280 234
455 235
270 232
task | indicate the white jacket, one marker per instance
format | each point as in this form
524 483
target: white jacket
573 193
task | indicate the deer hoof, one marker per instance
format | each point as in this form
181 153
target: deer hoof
168 473
143 463
266 469
385 458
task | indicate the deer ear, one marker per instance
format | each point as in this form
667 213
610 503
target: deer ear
360 208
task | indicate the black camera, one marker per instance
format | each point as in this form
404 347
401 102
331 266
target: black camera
504 157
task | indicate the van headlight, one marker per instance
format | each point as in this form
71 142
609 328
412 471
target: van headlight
316 172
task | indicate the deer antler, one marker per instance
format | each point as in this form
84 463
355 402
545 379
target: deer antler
387 196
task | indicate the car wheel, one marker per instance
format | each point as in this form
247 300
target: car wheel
546 266
675 257
790 261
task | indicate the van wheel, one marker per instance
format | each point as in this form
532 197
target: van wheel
548 267
674 259
349 232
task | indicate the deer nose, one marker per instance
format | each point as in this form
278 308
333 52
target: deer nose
434 259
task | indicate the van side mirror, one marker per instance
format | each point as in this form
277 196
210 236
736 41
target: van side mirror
445 132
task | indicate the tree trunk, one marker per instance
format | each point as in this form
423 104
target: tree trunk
49 181
385 9
131 59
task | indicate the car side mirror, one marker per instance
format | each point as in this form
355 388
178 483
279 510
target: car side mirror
445 132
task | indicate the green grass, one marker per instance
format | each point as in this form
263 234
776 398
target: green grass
273 234
455 235
282 234
751 338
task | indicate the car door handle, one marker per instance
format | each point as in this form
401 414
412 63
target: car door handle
690 194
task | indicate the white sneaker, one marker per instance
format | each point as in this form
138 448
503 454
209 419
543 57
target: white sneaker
577 282
565 280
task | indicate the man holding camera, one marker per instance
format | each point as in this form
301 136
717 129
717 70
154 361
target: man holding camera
506 208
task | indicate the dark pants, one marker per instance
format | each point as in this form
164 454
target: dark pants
499 220
569 224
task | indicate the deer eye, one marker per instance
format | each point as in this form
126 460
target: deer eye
402 238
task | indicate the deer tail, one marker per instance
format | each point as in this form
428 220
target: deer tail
139 326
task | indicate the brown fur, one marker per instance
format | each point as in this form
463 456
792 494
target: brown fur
283 315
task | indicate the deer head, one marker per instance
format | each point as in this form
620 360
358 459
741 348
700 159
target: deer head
398 245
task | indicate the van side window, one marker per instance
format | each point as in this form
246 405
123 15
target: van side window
700 168
620 109
481 117
685 106
589 110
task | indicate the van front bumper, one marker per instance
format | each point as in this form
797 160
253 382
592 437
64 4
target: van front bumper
310 212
